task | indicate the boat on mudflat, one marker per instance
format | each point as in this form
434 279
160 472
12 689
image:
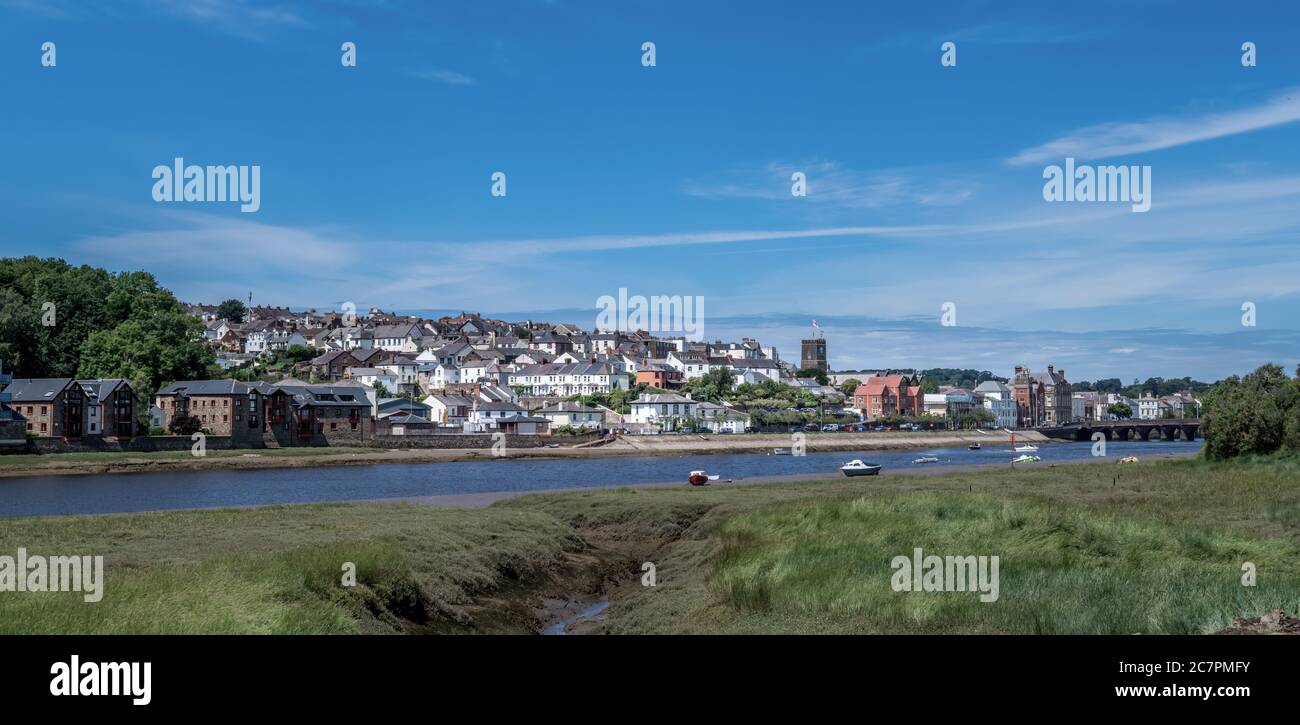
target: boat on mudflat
856 467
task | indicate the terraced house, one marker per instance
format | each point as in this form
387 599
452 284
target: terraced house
72 409
289 413
567 379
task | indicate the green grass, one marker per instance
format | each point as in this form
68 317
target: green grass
826 567
1151 547
279 569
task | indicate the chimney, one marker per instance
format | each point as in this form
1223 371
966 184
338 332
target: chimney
1050 369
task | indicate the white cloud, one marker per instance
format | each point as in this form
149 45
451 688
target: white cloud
1117 139
451 78
831 184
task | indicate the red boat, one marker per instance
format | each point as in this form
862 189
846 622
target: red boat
700 478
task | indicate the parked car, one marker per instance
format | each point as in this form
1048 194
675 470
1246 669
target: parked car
879 429
811 427
859 428
830 428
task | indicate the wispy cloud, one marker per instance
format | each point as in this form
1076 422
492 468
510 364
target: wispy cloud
1117 139
450 77
829 183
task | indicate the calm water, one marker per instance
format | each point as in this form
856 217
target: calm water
124 492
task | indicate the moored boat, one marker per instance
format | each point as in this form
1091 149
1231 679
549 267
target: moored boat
856 467
780 451
1026 448
974 446
700 478
926 459
1026 459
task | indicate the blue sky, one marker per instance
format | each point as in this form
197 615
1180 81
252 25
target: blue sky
924 182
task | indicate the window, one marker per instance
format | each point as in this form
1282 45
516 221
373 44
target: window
43 428
45 409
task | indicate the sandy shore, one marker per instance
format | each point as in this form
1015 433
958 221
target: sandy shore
661 445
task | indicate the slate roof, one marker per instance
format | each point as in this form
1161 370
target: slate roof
36 390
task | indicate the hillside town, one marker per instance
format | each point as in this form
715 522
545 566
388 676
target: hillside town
330 378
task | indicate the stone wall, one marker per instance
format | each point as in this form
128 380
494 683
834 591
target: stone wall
139 444
477 440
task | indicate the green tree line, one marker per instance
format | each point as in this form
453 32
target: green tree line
57 320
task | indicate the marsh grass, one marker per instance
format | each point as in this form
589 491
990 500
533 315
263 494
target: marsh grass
1150 547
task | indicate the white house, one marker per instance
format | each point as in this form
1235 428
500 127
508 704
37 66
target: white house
404 370
573 414
397 338
449 409
719 418
371 376
662 409
999 401
571 379
485 416
1151 408
443 374
690 365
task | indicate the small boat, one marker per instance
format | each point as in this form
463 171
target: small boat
1128 459
926 459
700 478
1023 448
1026 459
856 467
780 451
974 446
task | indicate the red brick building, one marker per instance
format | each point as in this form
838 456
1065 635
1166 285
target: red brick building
885 395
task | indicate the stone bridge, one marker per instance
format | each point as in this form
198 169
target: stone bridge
1170 429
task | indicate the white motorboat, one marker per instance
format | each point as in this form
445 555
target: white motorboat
926 459
856 467
1026 448
1026 459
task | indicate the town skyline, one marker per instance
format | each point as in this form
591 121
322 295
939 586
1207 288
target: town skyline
676 178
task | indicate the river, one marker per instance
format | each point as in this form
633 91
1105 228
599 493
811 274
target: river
128 492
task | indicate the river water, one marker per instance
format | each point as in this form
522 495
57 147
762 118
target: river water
126 492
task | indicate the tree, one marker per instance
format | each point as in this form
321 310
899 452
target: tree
819 374
57 320
713 386
975 417
1257 414
232 310
1120 410
154 348
185 425
850 386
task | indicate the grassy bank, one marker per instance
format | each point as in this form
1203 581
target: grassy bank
1152 547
